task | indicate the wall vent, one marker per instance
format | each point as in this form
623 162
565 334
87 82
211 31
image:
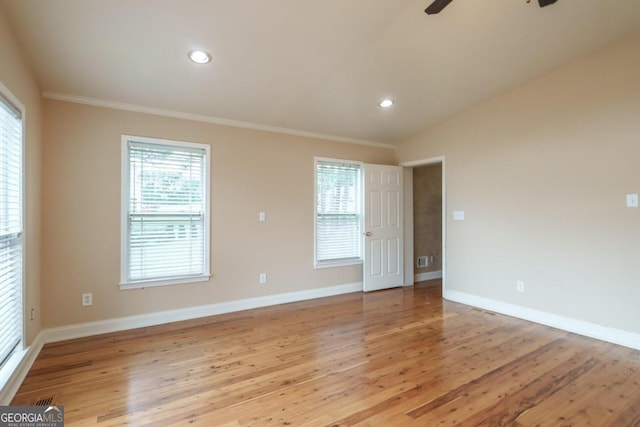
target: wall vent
423 261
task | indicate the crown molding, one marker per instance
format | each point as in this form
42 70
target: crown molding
206 119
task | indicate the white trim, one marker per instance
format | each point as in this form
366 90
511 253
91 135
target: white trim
20 364
26 358
591 330
8 370
125 283
206 119
408 229
168 282
338 262
431 161
332 264
423 162
429 275
13 99
124 323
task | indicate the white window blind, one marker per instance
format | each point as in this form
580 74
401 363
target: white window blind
338 212
10 228
167 212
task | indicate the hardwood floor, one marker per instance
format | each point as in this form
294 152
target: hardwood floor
400 357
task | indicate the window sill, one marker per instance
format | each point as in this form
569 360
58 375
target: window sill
337 263
8 373
166 282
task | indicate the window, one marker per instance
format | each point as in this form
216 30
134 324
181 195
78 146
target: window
11 230
165 212
338 237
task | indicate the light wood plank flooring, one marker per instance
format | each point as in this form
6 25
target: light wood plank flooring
399 357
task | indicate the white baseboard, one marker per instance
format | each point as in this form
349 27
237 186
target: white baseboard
23 361
430 275
28 356
123 323
20 365
580 327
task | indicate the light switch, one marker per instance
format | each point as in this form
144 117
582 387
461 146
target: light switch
261 216
632 200
458 215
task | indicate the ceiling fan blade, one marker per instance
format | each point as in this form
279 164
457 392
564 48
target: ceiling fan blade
438 5
544 3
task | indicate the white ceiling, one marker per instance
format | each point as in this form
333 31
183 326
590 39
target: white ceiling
311 65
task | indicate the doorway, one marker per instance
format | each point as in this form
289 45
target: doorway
425 236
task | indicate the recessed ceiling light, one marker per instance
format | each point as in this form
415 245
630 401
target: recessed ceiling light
199 56
386 103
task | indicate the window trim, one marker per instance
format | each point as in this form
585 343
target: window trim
11 364
125 283
341 262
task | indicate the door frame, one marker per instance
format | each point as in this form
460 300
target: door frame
409 238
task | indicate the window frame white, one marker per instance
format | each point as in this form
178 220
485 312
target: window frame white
125 283
338 262
12 362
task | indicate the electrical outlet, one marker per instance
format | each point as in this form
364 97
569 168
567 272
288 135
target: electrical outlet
33 313
458 215
87 299
520 286
263 277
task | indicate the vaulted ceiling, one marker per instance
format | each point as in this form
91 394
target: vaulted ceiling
317 66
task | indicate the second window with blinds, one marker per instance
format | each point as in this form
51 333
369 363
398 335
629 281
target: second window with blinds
165 212
338 213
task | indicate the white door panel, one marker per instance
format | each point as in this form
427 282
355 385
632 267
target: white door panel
383 258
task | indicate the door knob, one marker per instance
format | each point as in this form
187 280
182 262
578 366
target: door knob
368 233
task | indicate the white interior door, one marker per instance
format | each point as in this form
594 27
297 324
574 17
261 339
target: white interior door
383 259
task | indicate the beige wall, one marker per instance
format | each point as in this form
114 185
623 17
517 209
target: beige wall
542 174
16 76
427 217
252 171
